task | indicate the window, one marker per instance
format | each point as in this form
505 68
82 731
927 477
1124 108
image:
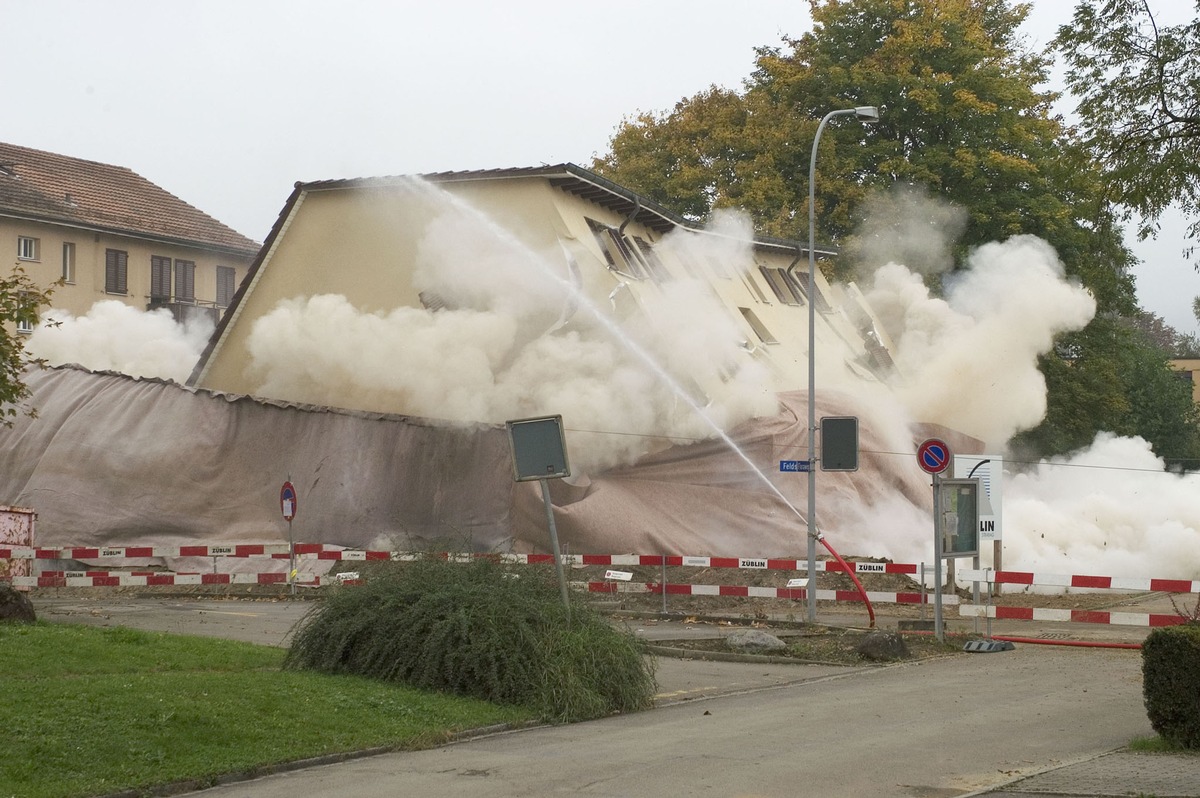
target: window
752 284
785 291
802 289
27 248
226 277
618 254
759 328
160 278
68 262
116 270
185 281
658 272
23 325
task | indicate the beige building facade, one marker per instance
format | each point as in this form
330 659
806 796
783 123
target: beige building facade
1189 369
362 239
110 234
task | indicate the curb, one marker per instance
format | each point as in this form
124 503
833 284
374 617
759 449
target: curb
194 785
730 656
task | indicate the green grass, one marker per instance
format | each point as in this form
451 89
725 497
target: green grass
89 711
1159 745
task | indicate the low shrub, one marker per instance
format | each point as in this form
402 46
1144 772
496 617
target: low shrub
481 629
1171 683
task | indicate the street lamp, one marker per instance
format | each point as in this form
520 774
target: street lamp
864 113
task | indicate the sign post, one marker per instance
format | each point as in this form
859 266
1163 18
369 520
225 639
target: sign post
934 457
287 504
540 452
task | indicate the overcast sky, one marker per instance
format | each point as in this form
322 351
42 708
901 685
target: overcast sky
227 103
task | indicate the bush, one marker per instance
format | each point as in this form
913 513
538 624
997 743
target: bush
480 629
1171 683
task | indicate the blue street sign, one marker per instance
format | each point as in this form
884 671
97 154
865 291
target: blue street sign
794 465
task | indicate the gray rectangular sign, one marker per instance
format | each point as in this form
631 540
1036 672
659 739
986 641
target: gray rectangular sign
539 448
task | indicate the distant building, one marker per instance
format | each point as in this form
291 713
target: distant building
109 233
1189 369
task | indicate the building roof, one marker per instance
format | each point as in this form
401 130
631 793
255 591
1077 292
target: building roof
57 189
573 180
566 177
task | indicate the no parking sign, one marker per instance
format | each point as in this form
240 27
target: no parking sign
287 501
933 456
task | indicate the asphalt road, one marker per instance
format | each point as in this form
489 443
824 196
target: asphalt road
931 729
937 728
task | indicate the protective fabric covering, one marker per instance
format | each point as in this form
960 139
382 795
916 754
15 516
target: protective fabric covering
111 460
705 499
115 461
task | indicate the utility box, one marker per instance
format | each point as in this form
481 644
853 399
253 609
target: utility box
958 501
839 443
17 529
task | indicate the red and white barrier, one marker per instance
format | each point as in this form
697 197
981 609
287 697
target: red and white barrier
156 579
1069 616
1064 580
793 593
113 579
322 551
273 550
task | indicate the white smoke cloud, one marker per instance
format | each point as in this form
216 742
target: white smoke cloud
907 225
113 336
1111 510
515 339
969 361
514 342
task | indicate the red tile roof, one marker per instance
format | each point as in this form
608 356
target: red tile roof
56 188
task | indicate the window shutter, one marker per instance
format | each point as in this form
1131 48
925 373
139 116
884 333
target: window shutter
160 277
115 271
225 278
185 281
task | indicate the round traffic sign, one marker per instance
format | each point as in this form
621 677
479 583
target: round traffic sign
287 501
933 456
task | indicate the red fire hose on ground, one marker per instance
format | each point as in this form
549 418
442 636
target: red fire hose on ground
850 572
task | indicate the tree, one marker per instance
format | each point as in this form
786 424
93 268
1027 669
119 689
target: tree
20 300
960 118
1162 335
1111 376
1138 85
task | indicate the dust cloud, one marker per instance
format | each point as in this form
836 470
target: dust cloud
113 336
516 338
1110 510
968 360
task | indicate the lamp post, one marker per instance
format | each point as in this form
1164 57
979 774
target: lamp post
864 113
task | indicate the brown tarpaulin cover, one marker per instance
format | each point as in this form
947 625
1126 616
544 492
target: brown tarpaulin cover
113 461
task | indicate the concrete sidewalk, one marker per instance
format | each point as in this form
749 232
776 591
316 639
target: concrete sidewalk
1119 773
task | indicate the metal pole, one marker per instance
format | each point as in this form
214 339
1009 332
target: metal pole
812 368
975 585
937 559
558 563
924 597
291 558
663 582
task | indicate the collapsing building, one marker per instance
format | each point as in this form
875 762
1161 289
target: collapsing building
483 296
389 326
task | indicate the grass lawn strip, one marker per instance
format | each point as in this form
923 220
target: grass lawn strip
94 711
